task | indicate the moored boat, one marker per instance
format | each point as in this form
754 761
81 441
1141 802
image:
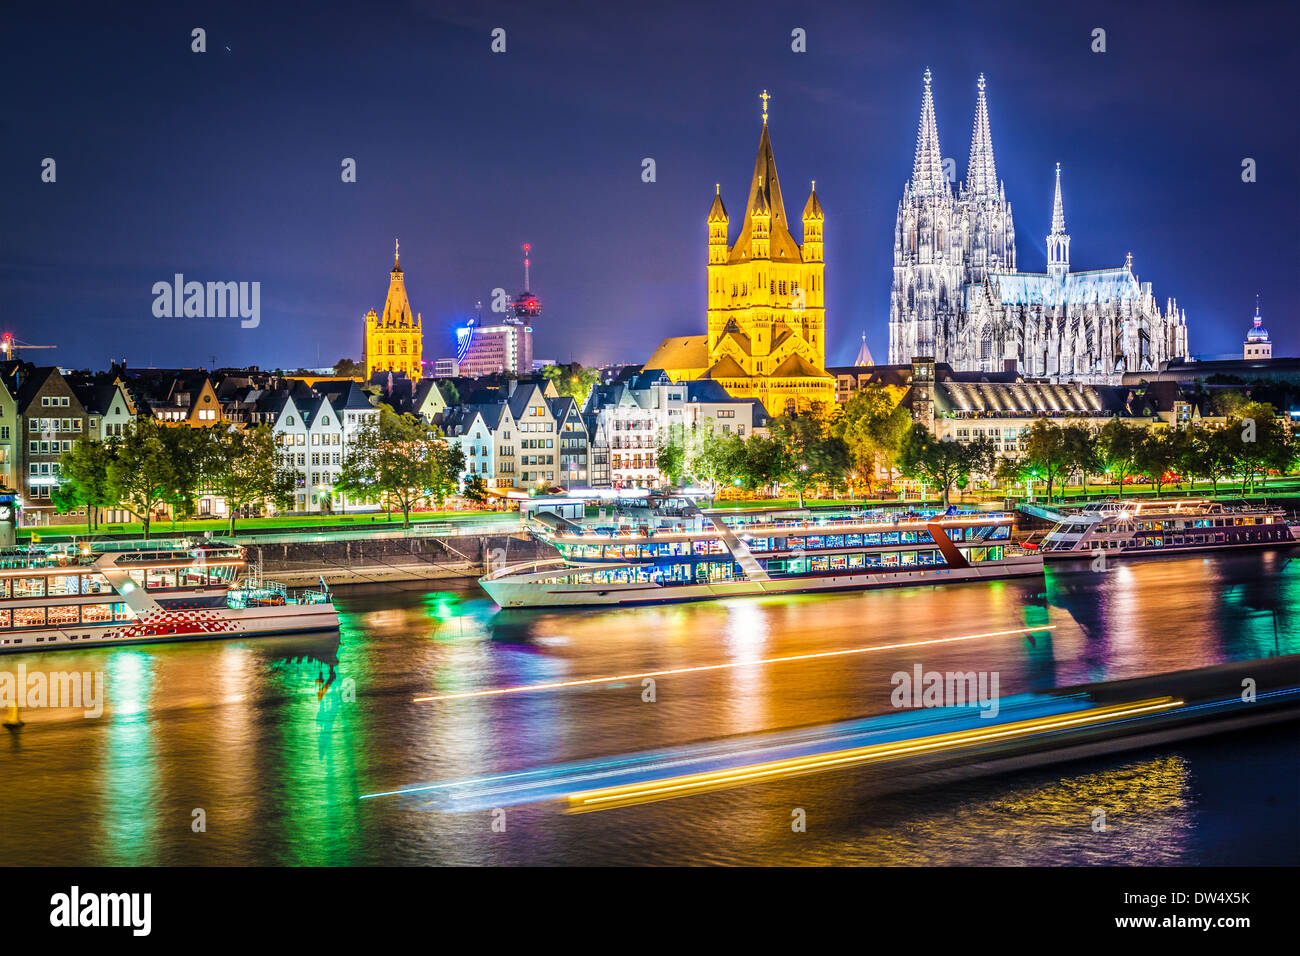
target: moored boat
1127 529
707 555
113 593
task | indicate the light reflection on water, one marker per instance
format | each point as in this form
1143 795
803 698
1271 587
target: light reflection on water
276 740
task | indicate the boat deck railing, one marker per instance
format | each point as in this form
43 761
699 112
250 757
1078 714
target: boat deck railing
813 525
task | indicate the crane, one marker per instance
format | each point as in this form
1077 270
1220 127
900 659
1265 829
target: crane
10 347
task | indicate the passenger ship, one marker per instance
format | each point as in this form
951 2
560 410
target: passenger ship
711 555
1160 527
115 593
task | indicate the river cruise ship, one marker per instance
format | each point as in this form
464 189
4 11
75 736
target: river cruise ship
702 555
1160 527
112 593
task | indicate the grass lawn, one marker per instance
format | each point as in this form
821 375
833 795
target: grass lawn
245 525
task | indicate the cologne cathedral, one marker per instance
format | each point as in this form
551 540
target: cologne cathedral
958 297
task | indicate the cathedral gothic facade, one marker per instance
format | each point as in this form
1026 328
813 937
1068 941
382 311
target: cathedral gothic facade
766 301
394 341
958 297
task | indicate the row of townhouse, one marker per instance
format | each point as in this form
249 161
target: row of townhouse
44 409
628 416
519 436
42 412
523 436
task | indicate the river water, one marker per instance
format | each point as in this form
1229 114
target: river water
270 751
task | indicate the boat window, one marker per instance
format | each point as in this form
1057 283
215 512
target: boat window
64 584
29 587
96 613
61 615
29 617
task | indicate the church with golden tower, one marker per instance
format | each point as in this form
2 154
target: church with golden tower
394 341
766 301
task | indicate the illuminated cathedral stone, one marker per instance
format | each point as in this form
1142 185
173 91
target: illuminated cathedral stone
958 297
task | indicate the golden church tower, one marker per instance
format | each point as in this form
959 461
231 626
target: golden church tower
766 301
394 341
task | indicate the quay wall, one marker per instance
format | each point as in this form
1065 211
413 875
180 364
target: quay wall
377 560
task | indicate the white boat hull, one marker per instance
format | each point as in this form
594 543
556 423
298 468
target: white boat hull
165 626
525 593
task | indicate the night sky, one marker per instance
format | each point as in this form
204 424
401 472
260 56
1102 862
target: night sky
225 165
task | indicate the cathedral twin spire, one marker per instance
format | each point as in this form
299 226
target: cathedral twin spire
981 171
928 178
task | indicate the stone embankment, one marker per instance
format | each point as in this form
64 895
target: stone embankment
379 560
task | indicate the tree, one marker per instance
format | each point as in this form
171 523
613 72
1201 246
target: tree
245 466
1117 446
476 489
943 463
186 448
403 459
450 393
348 367
1046 453
142 472
1080 451
702 455
572 380
873 426
1217 457
814 455
1156 454
766 461
1258 442
83 479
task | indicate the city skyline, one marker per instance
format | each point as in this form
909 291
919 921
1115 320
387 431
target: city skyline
254 193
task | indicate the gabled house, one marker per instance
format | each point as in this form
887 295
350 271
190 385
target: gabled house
50 418
531 412
571 435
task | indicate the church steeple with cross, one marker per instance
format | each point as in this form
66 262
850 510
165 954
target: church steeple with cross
394 341
766 300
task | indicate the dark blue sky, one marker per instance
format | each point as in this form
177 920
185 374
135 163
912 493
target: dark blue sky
225 165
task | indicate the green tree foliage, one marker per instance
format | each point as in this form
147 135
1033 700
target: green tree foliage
944 463
476 489
83 479
765 462
1046 453
245 467
572 380
1080 451
702 455
1117 447
1156 456
348 367
1258 442
815 455
403 460
142 474
873 427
